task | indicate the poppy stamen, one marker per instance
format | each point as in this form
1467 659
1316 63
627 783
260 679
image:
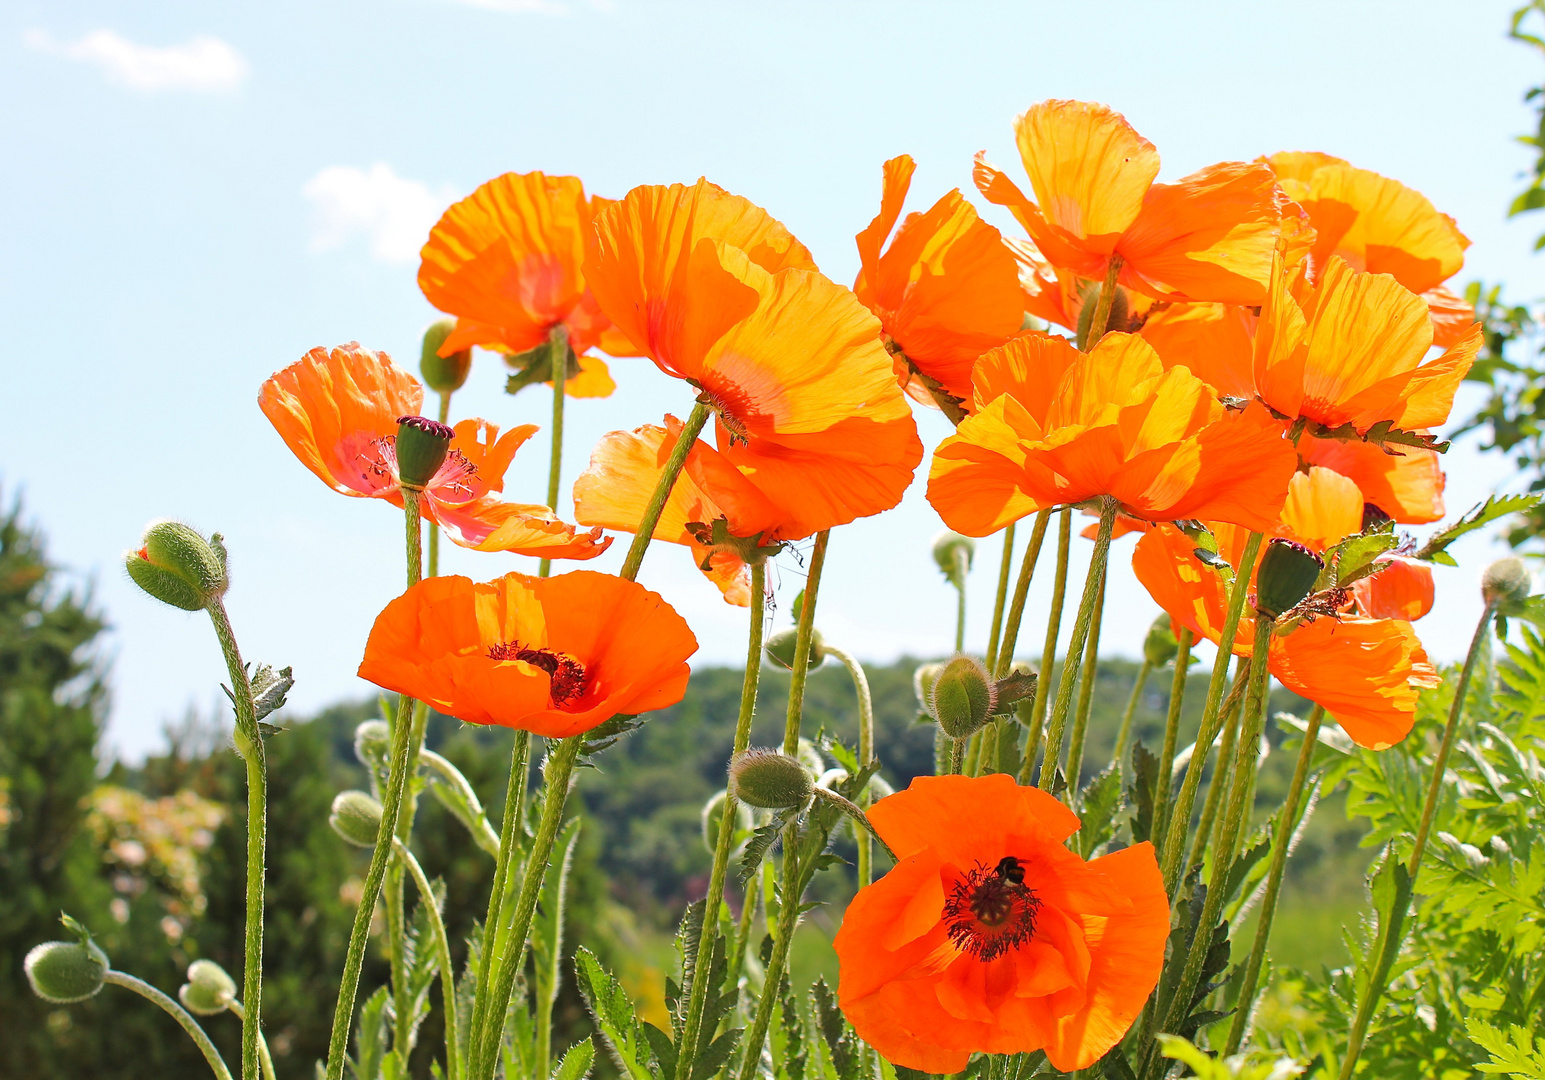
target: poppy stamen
991 911
568 676
454 480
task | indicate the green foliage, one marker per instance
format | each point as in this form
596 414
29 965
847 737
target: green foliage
1515 1052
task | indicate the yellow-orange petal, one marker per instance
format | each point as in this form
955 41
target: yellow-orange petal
488 453
1452 316
490 524
1323 507
594 379
1212 340
1403 589
918 817
1407 486
1030 367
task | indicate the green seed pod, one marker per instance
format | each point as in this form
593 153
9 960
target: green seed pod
780 649
443 374
922 685
963 697
209 990
953 554
372 743
1160 646
179 567
1287 574
770 780
421 448
65 971
1506 583
356 817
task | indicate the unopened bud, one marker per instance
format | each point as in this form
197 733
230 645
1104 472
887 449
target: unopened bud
443 374
770 780
963 697
922 684
65 971
713 814
1287 574
1160 646
780 648
1506 583
372 743
953 553
209 990
177 566
810 757
356 817
421 448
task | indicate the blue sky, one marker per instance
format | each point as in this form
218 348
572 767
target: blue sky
195 194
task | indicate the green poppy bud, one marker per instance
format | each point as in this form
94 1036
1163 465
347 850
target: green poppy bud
179 567
1506 583
209 990
443 374
1287 574
1160 646
770 780
65 971
780 649
356 817
922 684
372 743
713 814
953 553
963 697
421 448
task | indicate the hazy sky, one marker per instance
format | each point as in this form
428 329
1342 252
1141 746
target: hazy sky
194 194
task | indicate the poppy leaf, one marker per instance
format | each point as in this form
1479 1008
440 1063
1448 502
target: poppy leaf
1495 507
612 1010
840 1039
1098 804
1213 561
576 1062
1356 557
1145 774
794 1053
761 842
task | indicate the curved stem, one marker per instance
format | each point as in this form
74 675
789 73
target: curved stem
558 347
1005 567
1180 814
1101 317
1124 732
1177 697
662 490
265 1059
1081 626
1049 647
1390 945
1086 693
511 839
442 945
691 1028
391 807
249 742
1005 658
560 767
865 756
177 1013
1287 820
801 669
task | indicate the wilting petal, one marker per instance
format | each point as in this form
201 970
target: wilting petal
490 524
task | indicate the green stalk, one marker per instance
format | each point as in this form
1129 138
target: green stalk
391 807
1086 693
1174 838
957 756
1101 317
264 1057
442 947
865 756
1222 771
249 743
806 628
177 1013
1049 648
1274 874
1081 625
1124 732
662 490
1396 935
958 578
1005 657
691 1028
1004 569
484 1054
511 839
788 920
1177 697
558 347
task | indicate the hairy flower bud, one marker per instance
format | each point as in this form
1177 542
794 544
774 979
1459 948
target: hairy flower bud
177 566
1506 583
780 649
65 971
209 990
443 374
922 685
770 780
356 817
963 697
1160 646
421 448
953 554
372 743
713 814
1287 574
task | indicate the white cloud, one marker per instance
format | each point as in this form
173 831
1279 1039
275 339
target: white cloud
393 213
201 64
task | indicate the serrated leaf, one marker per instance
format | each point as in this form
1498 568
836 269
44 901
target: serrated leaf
1140 793
614 1016
761 842
269 688
370 1034
1479 516
1097 807
1355 557
576 1062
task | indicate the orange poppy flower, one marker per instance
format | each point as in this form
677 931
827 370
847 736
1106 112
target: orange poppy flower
337 411
717 293
1350 349
1407 486
506 261
1055 426
945 291
1208 237
1366 671
552 656
990 935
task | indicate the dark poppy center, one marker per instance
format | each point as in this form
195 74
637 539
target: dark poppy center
567 675
991 911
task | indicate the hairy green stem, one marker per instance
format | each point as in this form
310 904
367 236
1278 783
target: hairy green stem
788 921
265 1059
958 578
177 1013
1177 697
511 840
1124 732
861 835
1081 626
1005 657
442 946
1086 693
558 348
1101 317
806 628
1005 567
662 490
1222 771
1049 647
